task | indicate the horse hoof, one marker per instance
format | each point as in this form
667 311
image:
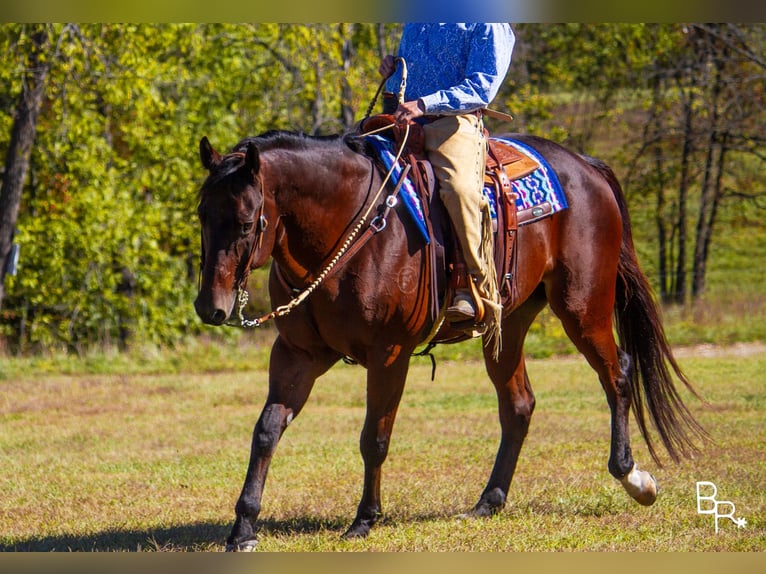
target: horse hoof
360 528
356 533
479 511
641 485
489 504
246 546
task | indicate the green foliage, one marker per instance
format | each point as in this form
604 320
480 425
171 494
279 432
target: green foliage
107 228
104 227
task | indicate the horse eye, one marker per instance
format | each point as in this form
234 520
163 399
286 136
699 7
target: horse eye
247 227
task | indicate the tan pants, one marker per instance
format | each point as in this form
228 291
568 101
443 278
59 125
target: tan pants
457 150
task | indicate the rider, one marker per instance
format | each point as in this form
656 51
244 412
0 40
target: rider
453 71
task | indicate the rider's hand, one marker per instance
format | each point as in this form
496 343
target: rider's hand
387 66
408 111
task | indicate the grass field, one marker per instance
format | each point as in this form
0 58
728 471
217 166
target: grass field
141 461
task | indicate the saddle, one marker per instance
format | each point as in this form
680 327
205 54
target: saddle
504 165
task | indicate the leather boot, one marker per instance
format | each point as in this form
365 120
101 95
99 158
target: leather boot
463 307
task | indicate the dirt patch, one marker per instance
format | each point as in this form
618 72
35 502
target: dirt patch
710 350
692 351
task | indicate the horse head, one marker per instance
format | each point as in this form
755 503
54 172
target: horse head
232 215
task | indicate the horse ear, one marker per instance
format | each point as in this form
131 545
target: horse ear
209 157
252 158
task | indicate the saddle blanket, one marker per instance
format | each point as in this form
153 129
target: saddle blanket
540 186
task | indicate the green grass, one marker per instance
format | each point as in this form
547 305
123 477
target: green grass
137 461
245 351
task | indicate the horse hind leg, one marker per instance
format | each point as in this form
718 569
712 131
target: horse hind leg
639 484
516 403
590 329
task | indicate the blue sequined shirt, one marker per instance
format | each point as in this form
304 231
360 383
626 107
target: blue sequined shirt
453 68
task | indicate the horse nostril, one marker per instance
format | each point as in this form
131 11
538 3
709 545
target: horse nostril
218 316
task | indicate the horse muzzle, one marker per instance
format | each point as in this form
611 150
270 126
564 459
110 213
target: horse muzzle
214 310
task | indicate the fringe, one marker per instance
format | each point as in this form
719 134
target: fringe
488 287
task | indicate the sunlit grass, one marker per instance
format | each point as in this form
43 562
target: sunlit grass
155 462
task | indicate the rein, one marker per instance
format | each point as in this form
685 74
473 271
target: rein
376 226
349 248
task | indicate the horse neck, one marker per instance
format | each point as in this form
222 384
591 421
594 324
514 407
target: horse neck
319 196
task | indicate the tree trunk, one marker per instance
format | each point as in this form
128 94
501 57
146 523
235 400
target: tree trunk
380 32
679 286
714 169
707 198
20 146
346 93
660 206
317 104
705 238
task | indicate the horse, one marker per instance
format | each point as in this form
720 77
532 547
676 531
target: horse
306 201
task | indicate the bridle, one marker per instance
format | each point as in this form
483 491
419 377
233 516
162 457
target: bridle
260 227
261 224
350 246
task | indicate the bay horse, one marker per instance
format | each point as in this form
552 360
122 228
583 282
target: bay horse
296 198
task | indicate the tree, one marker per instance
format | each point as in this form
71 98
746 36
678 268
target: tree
705 124
106 223
106 208
33 44
107 220
567 81
735 67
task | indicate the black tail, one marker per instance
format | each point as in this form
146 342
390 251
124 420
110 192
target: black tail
642 336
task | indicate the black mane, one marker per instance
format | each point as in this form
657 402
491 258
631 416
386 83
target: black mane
286 139
232 162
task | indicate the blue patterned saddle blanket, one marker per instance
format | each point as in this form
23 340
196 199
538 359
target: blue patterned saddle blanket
535 189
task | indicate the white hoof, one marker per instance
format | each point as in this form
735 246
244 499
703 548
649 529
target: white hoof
641 485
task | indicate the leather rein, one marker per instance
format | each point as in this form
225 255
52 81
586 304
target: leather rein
350 246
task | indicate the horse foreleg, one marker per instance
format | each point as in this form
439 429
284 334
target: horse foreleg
291 377
384 391
269 428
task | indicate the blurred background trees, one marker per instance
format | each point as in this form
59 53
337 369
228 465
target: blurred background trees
106 221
